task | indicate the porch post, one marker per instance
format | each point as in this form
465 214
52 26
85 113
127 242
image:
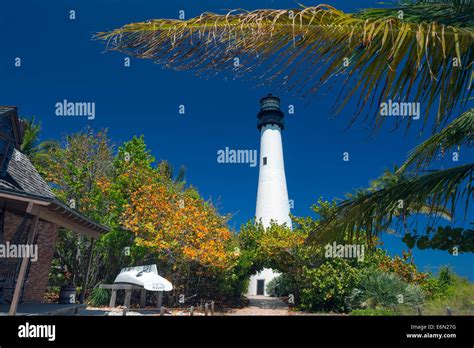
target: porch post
86 276
24 265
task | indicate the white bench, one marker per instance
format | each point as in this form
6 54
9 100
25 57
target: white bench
128 294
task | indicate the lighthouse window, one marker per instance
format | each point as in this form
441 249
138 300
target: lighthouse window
264 161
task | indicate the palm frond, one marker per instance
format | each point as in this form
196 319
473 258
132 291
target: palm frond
181 176
30 136
435 194
304 50
457 133
452 12
168 171
38 152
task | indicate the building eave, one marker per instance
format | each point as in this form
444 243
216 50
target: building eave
61 210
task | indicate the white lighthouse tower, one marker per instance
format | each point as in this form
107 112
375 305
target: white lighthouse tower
272 196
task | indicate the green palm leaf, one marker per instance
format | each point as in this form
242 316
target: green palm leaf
38 152
447 12
459 132
167 169
373 212
304 50
30 136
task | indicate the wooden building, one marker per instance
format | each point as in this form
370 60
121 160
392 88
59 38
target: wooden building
30 215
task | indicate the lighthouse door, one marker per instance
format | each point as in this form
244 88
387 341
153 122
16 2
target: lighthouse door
261 287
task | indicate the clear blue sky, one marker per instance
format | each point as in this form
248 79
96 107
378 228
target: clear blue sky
60 61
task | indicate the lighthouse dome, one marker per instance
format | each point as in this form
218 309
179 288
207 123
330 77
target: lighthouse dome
270 112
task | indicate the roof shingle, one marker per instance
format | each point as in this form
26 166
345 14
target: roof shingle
22 175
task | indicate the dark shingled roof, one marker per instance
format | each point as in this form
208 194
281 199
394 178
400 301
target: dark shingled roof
21 174
22 179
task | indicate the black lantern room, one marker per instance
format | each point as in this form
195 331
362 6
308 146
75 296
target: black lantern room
270 112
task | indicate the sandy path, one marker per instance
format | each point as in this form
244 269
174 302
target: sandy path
261 305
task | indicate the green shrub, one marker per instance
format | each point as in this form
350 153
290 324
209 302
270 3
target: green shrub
432 288
459 297
99 297
280 286
446 276
372 312
273 287
381 290
325 288
438 287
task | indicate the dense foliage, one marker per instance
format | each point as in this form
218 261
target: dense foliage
155 218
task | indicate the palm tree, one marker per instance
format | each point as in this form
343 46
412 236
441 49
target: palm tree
417 50
35 150
396 196
168 171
